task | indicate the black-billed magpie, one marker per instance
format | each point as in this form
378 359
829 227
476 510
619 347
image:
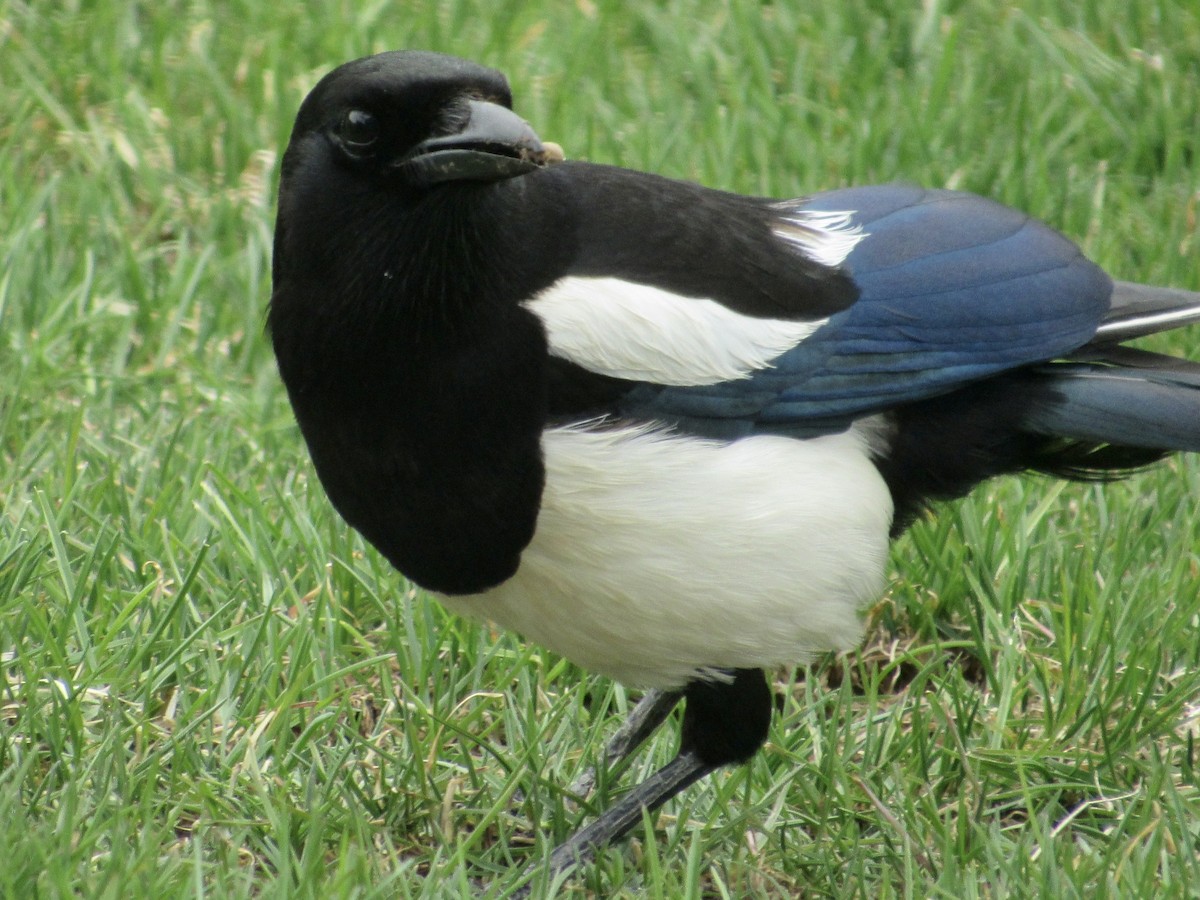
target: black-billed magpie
664 430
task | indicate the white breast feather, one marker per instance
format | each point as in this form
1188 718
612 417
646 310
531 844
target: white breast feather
659 558
629 330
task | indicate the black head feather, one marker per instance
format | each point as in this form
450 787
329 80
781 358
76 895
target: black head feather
417 380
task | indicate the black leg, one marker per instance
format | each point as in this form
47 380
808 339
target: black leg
617 821
650 712
723 723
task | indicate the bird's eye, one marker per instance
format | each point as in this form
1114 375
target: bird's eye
359 130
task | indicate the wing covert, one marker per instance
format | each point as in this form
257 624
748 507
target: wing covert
952 288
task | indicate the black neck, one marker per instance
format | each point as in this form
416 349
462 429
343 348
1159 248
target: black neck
423 408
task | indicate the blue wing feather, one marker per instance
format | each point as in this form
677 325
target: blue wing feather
953 288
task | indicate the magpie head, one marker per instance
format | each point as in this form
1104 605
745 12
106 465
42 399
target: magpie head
417 119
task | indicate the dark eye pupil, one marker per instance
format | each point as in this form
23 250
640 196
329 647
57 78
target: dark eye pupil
359 129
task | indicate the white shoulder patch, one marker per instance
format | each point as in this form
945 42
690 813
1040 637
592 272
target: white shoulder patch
824 236
629 330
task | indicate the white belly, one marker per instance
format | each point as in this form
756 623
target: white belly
658 557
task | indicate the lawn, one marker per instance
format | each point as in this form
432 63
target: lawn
209 687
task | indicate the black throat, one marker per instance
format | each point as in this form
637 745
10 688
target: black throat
418 380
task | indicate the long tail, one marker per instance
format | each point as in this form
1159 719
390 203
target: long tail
1117 398
1104 412
1139 309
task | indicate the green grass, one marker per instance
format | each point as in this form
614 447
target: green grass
210 688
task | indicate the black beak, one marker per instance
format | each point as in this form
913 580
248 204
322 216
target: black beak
495 144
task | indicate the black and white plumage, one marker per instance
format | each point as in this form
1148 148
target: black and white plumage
663 430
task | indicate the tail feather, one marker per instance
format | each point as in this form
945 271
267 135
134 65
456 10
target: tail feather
1145 401
1152 366
1139 309
1099 414
1107 398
